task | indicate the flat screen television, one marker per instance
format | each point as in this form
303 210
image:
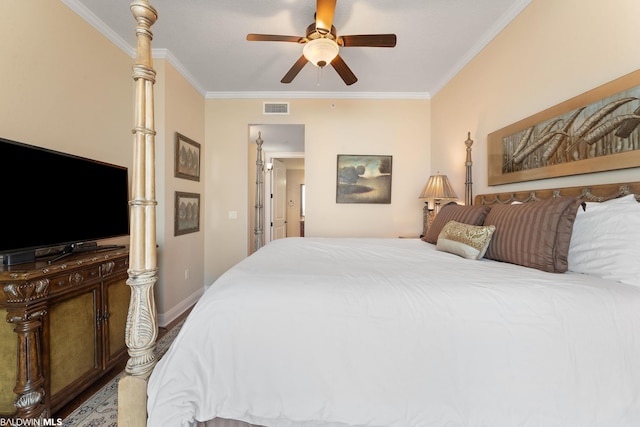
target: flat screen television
53 199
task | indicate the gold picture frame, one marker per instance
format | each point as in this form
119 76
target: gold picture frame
593 132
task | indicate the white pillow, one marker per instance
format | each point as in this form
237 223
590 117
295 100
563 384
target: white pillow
629 199
605 241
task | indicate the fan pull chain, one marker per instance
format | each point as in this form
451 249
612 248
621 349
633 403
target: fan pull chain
319 75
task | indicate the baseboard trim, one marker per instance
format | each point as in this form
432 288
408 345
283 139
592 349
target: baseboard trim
164 319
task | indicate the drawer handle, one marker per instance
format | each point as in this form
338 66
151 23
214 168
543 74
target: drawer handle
76 278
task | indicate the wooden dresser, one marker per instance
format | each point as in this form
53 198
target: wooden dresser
62 326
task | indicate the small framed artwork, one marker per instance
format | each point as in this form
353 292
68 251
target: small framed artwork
187 158
187 213
363 179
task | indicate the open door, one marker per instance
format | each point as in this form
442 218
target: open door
278 200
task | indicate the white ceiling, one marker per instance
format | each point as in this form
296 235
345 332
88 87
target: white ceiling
206 41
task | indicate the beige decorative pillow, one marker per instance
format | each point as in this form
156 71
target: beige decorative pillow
467 241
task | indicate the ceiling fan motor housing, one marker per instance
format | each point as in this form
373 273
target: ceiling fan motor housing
315 33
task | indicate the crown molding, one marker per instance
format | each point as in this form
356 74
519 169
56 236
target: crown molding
316 95
171 59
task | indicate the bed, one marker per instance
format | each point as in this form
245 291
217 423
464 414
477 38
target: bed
521 309
400 332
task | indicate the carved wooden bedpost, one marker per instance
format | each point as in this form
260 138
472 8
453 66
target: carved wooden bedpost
258 231
468 185
142 328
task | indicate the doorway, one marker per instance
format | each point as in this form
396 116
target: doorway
282 182
284 212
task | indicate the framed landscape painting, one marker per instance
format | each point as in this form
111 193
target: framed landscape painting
363 179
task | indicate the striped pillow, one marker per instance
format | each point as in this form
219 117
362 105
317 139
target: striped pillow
472 215
534 234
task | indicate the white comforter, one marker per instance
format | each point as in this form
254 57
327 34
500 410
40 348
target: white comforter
390 332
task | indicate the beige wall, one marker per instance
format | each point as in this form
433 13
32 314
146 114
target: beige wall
553 51
179 108
52 62
399 128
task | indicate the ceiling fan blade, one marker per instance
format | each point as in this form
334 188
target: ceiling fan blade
344 71
293 71
324 15
273 38
368 40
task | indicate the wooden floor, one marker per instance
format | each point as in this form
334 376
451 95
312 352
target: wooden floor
73 404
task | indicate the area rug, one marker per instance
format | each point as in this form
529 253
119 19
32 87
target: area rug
101 409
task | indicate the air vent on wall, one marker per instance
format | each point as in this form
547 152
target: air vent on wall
275 108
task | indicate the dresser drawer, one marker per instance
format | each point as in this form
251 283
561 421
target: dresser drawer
74 278
110 268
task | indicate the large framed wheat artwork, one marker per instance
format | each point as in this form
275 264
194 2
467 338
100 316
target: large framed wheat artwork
593 132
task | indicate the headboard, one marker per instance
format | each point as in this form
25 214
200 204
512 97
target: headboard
590 193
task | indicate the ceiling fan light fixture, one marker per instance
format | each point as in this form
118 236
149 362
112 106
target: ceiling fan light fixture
320 52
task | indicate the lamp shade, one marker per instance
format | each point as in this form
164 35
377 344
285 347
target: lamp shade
320 52
438 188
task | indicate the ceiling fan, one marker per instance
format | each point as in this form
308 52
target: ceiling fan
322 43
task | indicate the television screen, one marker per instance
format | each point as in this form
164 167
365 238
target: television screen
52 198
